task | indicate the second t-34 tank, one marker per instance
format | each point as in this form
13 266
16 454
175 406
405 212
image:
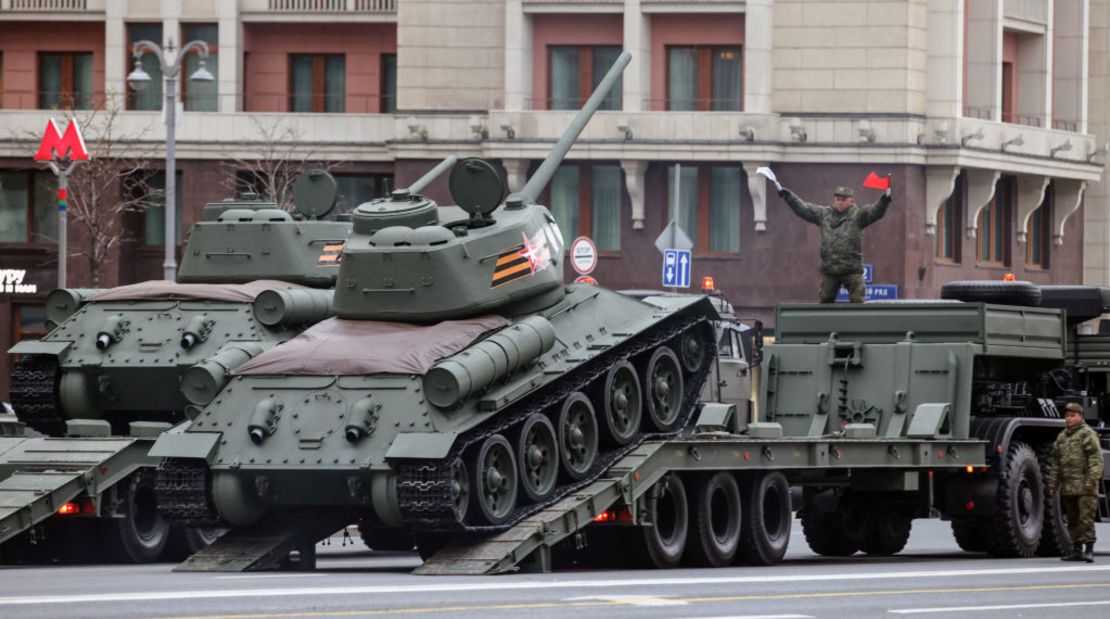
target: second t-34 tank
461 386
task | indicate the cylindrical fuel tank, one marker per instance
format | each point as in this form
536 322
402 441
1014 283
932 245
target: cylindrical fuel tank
500 354
203 381
298 306
64 301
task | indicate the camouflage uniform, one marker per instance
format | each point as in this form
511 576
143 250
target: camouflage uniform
841 242
1077 460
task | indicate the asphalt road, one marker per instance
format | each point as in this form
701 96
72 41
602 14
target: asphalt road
931 578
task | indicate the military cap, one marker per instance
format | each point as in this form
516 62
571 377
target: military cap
844 191
1073 407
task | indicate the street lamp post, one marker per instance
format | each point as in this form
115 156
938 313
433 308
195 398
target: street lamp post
139 79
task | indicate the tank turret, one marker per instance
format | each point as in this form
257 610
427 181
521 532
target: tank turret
402 263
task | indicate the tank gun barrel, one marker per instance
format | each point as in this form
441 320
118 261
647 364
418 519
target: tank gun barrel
429 176
543 174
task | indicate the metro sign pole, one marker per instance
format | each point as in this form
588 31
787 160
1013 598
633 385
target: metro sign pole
62 152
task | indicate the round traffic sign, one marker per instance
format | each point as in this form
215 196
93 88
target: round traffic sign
583 255
585 279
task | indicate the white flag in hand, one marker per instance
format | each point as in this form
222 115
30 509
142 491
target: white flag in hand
770 176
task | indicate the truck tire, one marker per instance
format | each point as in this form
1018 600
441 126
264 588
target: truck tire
765 530
1055 540
827 534
991 291
1016 528
888 530
970 533
141 534
717 517
662 544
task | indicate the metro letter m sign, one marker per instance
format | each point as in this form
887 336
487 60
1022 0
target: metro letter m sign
70 144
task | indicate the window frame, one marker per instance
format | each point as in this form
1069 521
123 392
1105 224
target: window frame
384 183
32 198
703 100
586 78
1038 231
387 103
68 78
319 94
179 211
703 235
998 210
213 48
586 205
951 224
130 96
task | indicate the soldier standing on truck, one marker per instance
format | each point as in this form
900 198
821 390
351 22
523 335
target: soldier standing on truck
1076 471
841 238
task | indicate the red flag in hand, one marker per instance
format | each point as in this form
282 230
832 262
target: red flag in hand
874 181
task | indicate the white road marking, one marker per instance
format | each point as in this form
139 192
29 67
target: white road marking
972 609
263 576
633 600
755 617
506 583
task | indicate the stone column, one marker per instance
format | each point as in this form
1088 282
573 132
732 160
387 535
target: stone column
117 58
637 41
945 45
984 53
230 58
518 57
758 65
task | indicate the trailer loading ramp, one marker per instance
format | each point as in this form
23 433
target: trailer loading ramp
39 475
634 474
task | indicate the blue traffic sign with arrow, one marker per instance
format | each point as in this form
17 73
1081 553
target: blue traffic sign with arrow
676 268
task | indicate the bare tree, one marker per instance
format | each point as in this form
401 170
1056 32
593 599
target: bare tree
279 156
115 180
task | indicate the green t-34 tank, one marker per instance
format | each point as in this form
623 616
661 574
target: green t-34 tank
461 386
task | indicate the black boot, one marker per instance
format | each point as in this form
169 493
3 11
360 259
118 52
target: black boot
1089 553
1076 553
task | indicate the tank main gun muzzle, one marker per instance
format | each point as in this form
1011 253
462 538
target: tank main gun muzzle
111 331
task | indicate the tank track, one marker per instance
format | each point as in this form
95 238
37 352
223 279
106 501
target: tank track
34 394
182 490
424 486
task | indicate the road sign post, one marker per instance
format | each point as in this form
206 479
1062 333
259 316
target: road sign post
62 152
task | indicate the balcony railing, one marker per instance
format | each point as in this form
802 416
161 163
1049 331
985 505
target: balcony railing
44 5
1035 11
333 6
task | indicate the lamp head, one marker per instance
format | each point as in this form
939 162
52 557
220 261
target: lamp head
202 74
138 79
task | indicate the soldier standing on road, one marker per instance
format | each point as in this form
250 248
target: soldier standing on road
841 238
1075 475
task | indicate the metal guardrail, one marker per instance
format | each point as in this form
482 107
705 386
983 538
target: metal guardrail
45 5
333 6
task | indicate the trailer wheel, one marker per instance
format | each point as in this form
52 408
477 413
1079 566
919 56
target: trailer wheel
141 534
662 543
830 533
970 533
715 536
991 291
767 519
622 404
184 542
1016 529
1055 540
888 530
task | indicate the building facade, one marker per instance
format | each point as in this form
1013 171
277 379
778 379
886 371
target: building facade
990 115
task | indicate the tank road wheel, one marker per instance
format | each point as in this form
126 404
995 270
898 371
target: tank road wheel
577 429
662 542
537 453
1055 540
888 530
622 404
970 533
767 518
495 479
460 489
691 347
141 534
715 536
1016 529
663 383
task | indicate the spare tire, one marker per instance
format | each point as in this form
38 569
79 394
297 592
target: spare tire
1025 294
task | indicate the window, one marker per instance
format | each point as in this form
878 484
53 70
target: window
704 78
993 247
151 97
1 80
1038 233
154 213
201 96
65 80
317 82
586 201
354 189
28 212
30 322
708 205
949 216
574 73
389 83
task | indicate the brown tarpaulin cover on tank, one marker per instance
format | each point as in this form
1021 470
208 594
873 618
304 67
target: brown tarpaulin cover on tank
337 347
162 289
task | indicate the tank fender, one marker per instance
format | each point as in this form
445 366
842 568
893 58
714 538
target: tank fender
177 443
1000 431
421 445
39 347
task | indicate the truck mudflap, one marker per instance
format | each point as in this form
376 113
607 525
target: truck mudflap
40 475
